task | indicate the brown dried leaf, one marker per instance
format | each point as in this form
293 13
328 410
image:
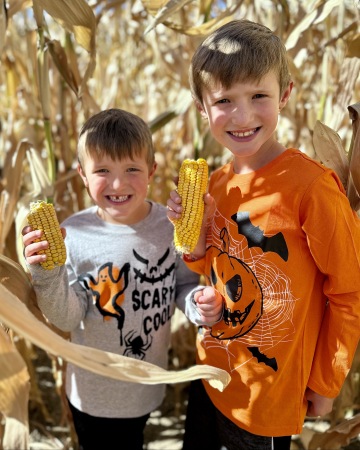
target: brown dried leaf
59 57
16 316
10 195
354 153
315 16
77 17
3 24
329 148
14 394
353 46
338 436
171 7
18 5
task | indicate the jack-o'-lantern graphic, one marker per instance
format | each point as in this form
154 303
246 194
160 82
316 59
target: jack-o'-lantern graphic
241 290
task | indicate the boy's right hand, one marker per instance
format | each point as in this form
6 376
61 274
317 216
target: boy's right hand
209 303
32 248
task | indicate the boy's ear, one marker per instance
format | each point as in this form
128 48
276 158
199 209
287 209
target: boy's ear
152 171
82 174
200 108
286 95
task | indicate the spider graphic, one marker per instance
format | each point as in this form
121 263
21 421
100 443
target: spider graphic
135 346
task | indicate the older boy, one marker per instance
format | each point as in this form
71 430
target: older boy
281 252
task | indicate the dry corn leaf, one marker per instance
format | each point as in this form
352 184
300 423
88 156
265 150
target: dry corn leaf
14 6
14 395
354 153
353 46
44 82
77 17
212 24
329 148
16 280
317 15
153 6
3 24
338 436
10 195
17 316
42 187
59 57
348 78
170 8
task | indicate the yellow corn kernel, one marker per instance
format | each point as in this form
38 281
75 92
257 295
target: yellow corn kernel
42 216
192 185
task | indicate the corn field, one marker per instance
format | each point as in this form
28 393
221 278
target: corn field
62 61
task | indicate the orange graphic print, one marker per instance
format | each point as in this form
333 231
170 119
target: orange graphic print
241 290
108 291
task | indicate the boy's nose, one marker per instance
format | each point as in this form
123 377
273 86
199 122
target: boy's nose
117 182
241 114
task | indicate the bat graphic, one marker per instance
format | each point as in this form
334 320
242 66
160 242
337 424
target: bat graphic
255 236
262 358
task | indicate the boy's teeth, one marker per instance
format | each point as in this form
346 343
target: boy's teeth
243 134
115 198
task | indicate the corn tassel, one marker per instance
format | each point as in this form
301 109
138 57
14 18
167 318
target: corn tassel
192 186
42 216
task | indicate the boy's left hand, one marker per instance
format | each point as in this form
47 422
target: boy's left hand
318 405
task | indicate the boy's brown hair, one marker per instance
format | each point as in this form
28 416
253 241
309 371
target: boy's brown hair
238 51
118 134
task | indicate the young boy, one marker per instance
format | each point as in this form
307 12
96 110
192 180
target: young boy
281 253
122 278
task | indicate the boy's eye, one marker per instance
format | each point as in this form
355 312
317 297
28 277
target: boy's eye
132 169
223 100
259 96
101 171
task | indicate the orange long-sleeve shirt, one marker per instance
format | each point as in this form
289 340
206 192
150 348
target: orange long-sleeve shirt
284 251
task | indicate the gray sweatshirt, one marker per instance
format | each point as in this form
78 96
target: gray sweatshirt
117 293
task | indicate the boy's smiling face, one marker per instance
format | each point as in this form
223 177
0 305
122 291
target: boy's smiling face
119 187
243 118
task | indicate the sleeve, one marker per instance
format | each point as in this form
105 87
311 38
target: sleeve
333 234
186 281
63 304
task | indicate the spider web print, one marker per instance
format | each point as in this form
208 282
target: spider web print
275 325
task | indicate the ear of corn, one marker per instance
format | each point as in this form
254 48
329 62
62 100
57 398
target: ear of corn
192 185
42 216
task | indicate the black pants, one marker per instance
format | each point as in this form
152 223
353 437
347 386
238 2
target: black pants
206 427
96 433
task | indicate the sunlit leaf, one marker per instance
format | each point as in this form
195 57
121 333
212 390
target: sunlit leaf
166 11
354 153
18 318
59 57
353 47
329 148
76 16
315 16
3 24
338 436
14 395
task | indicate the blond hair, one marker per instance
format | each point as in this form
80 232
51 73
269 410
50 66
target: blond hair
118 134
238 51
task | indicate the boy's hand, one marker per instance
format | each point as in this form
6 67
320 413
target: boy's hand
318 405
175 210
209 304
32 248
